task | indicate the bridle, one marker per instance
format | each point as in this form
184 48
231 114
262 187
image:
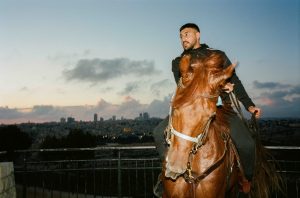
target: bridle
198 142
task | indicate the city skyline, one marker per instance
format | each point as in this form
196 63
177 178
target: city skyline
76 58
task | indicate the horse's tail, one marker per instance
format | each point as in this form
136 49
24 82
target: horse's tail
266 180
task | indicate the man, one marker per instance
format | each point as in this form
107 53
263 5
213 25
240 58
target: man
190 40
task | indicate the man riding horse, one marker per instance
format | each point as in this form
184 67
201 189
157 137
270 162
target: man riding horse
245 144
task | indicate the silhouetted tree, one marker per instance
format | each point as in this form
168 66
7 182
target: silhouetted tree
78 139
128 139
147 138
12 138
75 139
51 142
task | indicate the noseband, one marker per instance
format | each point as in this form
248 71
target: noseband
198 141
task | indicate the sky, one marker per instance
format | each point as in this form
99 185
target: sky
74 58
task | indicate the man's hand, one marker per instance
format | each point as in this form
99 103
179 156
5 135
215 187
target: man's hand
228 87
255 110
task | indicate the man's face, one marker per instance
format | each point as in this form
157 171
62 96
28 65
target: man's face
189 38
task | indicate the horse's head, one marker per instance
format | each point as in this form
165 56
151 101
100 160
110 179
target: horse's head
193 104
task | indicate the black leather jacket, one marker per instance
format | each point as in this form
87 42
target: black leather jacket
238 88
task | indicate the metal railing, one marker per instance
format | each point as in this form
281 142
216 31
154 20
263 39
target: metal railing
107 172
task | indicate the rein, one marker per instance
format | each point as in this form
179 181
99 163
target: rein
188 174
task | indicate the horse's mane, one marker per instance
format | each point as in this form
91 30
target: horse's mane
194 76
221 121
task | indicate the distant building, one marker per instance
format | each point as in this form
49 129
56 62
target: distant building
114 117
95 117
101 119
62 120
145 115
70 120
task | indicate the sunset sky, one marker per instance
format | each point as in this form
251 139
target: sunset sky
61 58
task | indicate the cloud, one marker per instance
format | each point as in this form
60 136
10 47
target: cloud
102 70
281 107
158 88
280 100
275 102
131 87
7 113
25 89
36 114
159 108
45 110
68 58
129 108
295 89
107 89
269 85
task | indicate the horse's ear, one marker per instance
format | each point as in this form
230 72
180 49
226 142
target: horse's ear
222 76
229 70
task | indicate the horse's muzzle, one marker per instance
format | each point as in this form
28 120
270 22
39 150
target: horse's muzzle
172 172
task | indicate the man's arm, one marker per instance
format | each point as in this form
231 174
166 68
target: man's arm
241 93
175 69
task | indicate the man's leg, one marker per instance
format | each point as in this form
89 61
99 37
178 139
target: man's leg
244 143
158 134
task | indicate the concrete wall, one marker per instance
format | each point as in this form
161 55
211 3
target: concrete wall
7 180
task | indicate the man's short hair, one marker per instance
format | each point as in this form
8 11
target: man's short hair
190 25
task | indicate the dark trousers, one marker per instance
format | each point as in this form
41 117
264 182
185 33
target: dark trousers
240 134
159 138
244 143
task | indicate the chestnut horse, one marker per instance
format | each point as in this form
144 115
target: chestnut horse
201 160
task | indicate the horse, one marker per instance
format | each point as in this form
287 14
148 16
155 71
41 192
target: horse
201 160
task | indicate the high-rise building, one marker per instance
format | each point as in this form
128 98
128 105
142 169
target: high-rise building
145 115
70 120
95 117
62 120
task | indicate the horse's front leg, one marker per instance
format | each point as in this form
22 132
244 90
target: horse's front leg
178 188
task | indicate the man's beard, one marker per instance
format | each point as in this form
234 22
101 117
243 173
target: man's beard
187 46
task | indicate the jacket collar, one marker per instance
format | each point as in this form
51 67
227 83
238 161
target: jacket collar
202 47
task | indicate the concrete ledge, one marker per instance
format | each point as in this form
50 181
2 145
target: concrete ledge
7 180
